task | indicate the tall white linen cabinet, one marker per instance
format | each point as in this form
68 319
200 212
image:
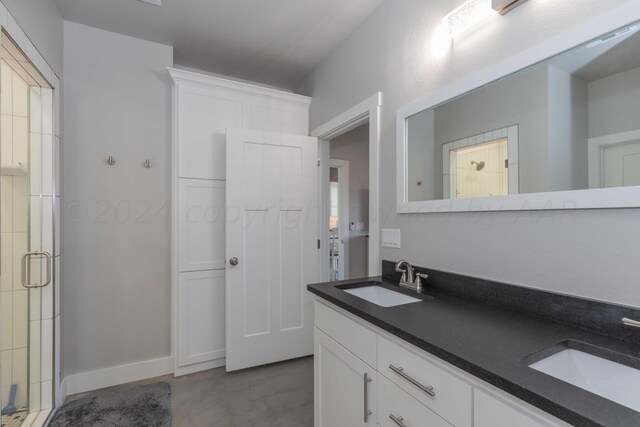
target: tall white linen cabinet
204 107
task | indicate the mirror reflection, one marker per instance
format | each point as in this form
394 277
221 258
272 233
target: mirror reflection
569 123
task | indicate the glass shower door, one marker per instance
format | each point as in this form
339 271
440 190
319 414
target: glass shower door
26 241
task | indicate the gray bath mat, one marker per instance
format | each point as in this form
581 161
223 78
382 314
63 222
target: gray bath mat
140 406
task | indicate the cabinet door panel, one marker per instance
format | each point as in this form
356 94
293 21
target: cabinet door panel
340 395
200 317
201 225
276 116
203 115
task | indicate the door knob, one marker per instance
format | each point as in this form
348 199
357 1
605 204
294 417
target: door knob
233 261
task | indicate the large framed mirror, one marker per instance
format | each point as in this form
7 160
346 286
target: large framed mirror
556 127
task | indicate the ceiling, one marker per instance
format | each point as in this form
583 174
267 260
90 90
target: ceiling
614 56
273 42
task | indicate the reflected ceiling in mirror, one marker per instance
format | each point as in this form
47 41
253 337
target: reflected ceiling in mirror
571 122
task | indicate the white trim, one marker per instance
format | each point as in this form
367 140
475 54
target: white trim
175 271
219 83
596 150
369 111
41 418
343 212
198 367
575 199
63 392
116 375
337 163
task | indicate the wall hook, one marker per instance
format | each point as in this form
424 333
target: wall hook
147 164
111 161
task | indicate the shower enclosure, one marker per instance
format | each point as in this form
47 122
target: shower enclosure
480 170
27 267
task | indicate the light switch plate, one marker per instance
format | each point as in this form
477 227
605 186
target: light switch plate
391 238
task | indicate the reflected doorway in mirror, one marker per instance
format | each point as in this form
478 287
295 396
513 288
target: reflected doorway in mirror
614 160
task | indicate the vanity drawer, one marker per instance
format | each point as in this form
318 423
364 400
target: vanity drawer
360 340
490 410
415 374
393 401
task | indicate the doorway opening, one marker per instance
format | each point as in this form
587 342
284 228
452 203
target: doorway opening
614 160
362 225
349 216
339 220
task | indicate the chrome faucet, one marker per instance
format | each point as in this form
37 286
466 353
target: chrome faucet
407 274
407 280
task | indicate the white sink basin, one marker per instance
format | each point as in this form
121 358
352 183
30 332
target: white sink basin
381 296
603 377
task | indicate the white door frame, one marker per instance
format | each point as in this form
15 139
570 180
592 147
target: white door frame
343 214
366 111
596 153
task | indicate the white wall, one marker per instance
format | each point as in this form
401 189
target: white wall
354 147
590 253
421 157
42 21
550 108
117 102
519 100
567 133
614 102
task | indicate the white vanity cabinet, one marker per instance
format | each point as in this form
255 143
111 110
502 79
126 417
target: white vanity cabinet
497 410
430 383
347 386
412 388
344 370
396 408
204 107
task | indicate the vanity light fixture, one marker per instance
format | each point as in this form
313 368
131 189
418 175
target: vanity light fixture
467 15
505 6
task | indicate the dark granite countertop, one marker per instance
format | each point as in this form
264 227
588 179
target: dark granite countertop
490 343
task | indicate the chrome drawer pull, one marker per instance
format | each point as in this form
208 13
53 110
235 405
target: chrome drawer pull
397 420
367 411
427 389
630 322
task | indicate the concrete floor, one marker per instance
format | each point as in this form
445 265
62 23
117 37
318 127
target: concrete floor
280 395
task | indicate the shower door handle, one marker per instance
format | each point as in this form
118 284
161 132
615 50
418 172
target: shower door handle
26 275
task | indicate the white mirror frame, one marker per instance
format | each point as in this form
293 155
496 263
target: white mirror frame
597 198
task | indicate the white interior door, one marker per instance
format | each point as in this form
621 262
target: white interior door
621 165
271 246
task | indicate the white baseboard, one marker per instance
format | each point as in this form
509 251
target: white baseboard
63 393
186 370
116 375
